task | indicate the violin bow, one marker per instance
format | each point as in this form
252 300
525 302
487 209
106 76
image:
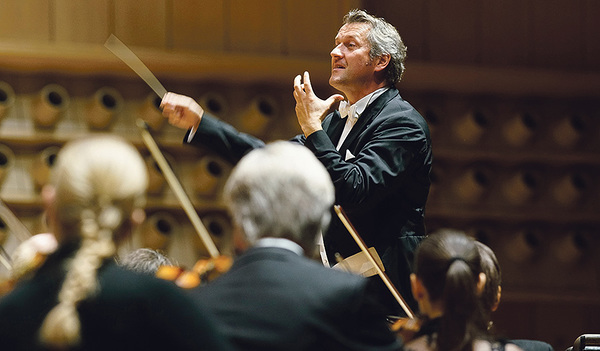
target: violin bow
177 189
18 228
363 247
4 259
130 59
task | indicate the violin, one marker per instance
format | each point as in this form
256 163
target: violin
26 267
204 270
27 258
25 264
407 328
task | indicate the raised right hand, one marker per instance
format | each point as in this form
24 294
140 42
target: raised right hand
310 109
182 111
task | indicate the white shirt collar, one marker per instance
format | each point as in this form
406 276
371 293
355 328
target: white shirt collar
281 243
359 107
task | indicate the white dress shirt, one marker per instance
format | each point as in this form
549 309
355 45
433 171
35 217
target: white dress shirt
281 243
354 111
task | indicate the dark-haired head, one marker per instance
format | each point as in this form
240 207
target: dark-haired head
448 267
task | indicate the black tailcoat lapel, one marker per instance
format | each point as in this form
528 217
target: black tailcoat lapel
368 114
334 127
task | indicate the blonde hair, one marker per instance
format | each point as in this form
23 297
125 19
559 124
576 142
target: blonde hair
99 181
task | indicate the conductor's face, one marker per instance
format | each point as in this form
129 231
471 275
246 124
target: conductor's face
351 66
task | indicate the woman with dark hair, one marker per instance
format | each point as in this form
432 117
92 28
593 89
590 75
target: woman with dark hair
447 284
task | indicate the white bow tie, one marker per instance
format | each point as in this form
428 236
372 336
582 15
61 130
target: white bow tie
346 109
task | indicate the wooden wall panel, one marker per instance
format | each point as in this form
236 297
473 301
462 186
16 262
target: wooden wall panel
554 322
505 35
25 19
316 38
411 20
198 25
514 316
455 31
255 26
82 21
554 34
141 23
592 31
557 34
582 318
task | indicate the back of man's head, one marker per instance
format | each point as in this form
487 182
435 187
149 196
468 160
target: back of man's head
145 260
281 190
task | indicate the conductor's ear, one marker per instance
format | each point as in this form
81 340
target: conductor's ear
382 62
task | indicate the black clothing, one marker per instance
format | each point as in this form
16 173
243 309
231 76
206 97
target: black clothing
130 312
380 174
275 299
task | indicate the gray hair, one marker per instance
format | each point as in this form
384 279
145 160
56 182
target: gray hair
144 260
384 40
281 190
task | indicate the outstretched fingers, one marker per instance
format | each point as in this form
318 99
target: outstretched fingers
307 84
302 85
297 87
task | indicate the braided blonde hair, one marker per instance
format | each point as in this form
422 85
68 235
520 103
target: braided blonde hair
98 181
